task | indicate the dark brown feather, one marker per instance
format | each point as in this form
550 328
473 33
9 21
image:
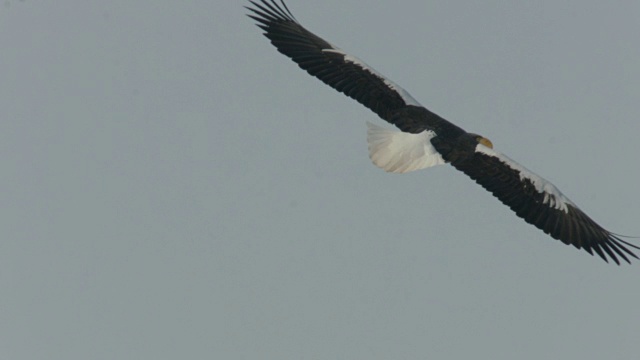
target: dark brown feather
572 227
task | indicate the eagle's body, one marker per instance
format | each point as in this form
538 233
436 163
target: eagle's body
426 139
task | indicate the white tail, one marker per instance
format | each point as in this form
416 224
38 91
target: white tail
400 152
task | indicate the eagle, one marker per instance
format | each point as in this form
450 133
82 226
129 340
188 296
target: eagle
426 139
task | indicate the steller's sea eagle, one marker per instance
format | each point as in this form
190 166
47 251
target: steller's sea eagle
425 139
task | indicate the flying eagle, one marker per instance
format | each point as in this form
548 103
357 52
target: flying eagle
426 139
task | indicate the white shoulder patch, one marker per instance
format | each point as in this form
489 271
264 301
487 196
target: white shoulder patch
401 152
553 197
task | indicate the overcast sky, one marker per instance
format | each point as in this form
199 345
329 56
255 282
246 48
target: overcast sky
174 188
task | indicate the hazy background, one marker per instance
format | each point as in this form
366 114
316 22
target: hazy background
174 188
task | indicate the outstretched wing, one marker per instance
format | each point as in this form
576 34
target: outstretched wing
541 204
334 67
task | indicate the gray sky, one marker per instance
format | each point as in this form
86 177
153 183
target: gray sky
175 188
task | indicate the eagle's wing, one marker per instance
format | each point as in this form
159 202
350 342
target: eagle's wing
334 67
541 204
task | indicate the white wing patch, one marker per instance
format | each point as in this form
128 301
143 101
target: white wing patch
553 197
404 94
401 152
